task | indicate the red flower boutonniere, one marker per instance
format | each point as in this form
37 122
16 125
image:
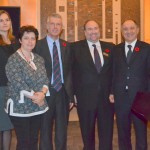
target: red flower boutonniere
107 51
137 49
64 44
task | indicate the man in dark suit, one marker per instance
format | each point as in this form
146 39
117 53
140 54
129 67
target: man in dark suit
56 53
131 73
92 75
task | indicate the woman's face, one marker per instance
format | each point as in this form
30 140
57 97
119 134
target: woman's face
28 41
5 22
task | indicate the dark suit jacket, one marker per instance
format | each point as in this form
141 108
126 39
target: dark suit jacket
43 50
135 75
89 85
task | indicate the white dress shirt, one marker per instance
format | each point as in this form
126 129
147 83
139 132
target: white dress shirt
98 46
132 44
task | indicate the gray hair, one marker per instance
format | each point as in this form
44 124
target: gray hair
55 15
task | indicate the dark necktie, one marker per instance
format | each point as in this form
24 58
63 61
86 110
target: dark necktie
129 53
98 64
57 82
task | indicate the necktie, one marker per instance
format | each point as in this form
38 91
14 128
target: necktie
98 64
129 53
57 82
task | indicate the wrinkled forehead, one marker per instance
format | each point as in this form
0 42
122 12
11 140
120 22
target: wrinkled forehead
54 19
129 23
91 24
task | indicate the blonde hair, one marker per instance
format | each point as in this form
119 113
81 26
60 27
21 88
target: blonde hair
10 31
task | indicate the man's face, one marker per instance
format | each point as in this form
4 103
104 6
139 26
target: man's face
54 27
130 31
92 32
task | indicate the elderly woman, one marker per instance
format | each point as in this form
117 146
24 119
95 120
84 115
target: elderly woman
7 47
27 87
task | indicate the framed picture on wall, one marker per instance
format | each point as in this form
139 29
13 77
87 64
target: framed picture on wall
14 13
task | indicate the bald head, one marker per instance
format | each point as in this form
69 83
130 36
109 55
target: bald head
92 31
130 30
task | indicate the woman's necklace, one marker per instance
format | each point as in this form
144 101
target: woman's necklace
27 60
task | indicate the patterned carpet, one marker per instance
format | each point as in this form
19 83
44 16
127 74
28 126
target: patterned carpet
75 141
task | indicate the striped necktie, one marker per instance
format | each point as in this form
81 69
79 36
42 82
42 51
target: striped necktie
98 64
57 82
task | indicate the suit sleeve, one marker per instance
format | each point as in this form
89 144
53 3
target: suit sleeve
148 68
113 69
69 78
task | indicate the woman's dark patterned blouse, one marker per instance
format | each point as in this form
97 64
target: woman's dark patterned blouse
21 76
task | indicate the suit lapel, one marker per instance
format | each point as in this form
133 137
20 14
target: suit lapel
122 52
89 58
46 51
62 49
104 53
87 55
136 52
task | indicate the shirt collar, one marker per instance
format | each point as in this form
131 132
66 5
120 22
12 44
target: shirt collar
132 44
51 40
91 43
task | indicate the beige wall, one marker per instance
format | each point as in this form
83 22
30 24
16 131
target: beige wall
30 14
146 21
28 10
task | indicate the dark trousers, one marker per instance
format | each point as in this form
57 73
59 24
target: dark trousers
1 140
125 118
104 119
58 114
27 129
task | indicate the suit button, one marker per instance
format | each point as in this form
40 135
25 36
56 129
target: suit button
128 77
128 68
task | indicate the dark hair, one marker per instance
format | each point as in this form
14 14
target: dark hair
28 28
84 26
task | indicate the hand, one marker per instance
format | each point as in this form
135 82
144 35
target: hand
111 98
40 95
38 98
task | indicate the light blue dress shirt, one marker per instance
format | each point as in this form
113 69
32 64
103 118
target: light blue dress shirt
50 42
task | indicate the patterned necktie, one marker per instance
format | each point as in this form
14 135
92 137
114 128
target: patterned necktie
57 82
129 53
98 64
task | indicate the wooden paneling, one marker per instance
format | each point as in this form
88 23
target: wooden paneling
130 10
47 7
70 20
87 10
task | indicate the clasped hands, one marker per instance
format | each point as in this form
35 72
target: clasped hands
38 98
